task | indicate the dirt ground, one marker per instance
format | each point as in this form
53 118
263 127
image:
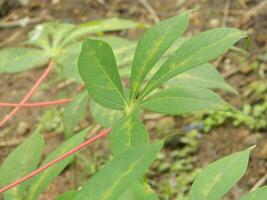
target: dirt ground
249 15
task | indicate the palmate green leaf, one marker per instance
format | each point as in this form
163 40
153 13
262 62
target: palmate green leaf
152 45
104 25
13 60
98 69
41 181
183 100
126 133
74 113
120 173
104 116
23 160
139 191
70 195
194 52
259 194
204 76
218 178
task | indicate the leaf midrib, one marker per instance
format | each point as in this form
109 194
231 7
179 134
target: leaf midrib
149 59
109 78
107 193
155 83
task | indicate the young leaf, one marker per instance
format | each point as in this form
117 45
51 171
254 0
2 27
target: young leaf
49 35
41 181
98 69
183 100
119 174
198 50
39 36
70 195
23 160
104 116
218 178
139 191
152 45
259 194
14 60
126 133
74 113
204 76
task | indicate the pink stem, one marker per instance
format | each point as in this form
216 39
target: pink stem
28 95
60 158
36 104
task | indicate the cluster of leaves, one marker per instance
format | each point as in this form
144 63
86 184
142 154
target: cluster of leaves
98 69
133 153
252 116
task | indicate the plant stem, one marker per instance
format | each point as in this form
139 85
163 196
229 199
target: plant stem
28 95
36 104
53 162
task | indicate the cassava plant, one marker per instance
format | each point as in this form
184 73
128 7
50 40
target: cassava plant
123 178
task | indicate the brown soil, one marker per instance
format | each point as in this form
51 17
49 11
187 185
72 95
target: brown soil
209 14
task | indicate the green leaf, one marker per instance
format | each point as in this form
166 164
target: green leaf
119 174
70 195
105 117
23 160
139 191
74 113
68 59
259 194
183 100
218 178
205 76
152 45
13 60
194 52
41 181
104 25
98 69
126 133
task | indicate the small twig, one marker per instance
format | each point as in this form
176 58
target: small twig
259 183
230 73
226 13
150 10
36 104
252 13
242 3
28 95
95 129
53 162
17 141
11 38
21 22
